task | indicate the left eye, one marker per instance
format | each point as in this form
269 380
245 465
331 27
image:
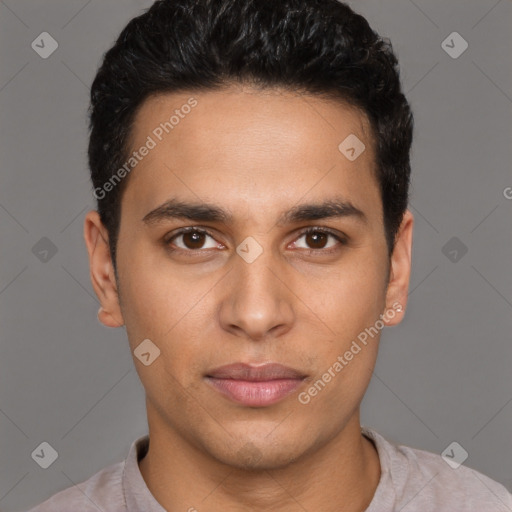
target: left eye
318 237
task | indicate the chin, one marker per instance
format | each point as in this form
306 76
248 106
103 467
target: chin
259 455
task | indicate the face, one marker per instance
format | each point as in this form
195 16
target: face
248 283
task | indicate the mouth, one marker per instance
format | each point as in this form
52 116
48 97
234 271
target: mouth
255 386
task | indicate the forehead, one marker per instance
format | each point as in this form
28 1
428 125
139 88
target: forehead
241 145
277 116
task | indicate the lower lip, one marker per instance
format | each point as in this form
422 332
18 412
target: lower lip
255 394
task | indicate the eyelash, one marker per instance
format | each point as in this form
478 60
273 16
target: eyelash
194 252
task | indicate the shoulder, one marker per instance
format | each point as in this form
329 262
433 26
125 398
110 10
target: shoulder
455 487
423 480
102 491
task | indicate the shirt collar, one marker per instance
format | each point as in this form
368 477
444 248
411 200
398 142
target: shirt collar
136 493
138 496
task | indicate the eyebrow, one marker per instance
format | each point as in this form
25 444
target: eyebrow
205 212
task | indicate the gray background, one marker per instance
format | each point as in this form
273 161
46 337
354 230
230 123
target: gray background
443 375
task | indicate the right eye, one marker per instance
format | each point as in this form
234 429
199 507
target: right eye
193 239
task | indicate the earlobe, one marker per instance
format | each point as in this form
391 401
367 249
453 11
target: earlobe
400 272
107 319
102 271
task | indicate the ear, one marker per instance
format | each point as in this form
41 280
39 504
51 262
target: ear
400 272
102 270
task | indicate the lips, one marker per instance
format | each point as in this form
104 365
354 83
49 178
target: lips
268 371
255 386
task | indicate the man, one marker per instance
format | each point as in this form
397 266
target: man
251 165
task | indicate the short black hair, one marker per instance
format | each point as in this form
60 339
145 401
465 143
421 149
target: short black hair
321 47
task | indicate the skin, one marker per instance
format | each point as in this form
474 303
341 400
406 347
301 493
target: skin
256 153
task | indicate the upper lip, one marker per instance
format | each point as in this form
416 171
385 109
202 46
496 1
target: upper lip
248 372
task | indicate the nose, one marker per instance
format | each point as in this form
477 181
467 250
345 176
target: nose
257 304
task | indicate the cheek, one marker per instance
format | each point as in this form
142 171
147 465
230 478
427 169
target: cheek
345 360
152 299
352 298
156 305
350 305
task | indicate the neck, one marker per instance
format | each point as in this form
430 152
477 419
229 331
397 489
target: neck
340 476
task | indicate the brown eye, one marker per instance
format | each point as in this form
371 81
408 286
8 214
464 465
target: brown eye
317 239
192 239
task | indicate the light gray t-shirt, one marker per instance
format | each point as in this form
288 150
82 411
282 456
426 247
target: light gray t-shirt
411 480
